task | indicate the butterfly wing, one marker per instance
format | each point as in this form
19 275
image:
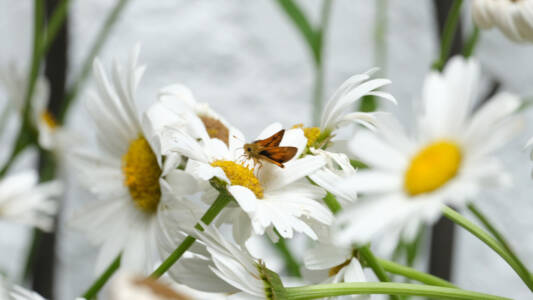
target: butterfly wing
272 141
278 155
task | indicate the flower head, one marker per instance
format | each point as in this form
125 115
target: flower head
127 174
512 17
447 161
24 200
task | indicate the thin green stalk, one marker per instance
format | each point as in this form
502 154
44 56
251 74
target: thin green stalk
448 33
23 137
369 103
318 90
54 24
488 225
300 20
222 200
100 281
292 265
413 274
489 241
352 288
471 43
80 79
369 258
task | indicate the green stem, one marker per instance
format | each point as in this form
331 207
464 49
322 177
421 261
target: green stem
318 46
471 43
21 140
100 281
80 79
351 288
411 273
299 19
369 103
488 225
369 258
54 24
448 33
489 241
292 265
222 200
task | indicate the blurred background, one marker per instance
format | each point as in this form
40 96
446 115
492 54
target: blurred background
250 63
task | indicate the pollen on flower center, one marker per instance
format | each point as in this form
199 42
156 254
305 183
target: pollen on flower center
311 133
141 175
215 128
240 175
49 119
432 167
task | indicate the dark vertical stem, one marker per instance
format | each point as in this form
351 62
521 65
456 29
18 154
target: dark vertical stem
443 232
43 259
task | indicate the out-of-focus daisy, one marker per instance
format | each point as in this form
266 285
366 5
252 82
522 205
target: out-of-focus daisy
129 287
448 160
175 105
269 197
24 200
340 264
513 17
51 135
336 115
126 174
225 267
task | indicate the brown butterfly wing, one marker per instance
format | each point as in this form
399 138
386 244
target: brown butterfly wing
278 155
272 141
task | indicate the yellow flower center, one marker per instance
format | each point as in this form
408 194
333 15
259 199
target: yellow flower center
49 119
215 128
141 175
432 167
311 133
240 175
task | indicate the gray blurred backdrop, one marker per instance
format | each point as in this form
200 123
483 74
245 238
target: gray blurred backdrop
247 60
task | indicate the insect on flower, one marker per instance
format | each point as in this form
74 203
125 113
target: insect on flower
269 150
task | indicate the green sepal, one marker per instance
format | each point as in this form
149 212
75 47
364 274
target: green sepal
274 289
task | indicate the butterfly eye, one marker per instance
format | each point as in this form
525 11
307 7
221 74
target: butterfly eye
249 149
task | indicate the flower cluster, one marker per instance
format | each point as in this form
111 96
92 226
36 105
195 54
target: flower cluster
180 190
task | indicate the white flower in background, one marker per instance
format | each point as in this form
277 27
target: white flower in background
224 267
448 160
126 174
336 115
126 286
338 263
51 136
513 17
175 102
269 197
24 200
20 293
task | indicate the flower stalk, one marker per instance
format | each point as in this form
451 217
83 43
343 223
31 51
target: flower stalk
448 33
489 241
401 289
223 199
413 274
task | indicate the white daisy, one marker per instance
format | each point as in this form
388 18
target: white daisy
126 286
24 200
225 267
176 105
126 174
339 264
447 161
269 197
336 115
513 17
51 135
